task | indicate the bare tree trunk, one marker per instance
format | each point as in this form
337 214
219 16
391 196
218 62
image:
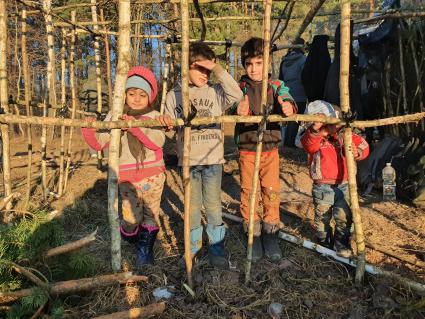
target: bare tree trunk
98 79
184 8
351 164
252 197
117 108
72 85
371 7
4 100
18 81
27 92
51 92
165 76
308 18
108 62
63 102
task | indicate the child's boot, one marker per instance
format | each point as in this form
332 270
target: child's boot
271 242
130 236
216 252
195 245
342 245
325 239
144 245
257 245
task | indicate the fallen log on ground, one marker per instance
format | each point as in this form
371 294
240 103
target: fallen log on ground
144 312
71 286
71 246
410 284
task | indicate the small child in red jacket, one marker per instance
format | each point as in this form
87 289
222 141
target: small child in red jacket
328 168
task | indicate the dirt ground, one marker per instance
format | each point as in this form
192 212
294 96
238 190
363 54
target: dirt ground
306 284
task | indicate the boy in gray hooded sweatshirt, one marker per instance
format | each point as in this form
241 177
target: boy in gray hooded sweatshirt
207 147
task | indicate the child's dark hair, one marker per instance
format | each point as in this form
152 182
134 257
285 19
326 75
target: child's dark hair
251 49
200 51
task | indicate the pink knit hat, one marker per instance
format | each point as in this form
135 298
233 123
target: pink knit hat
148 76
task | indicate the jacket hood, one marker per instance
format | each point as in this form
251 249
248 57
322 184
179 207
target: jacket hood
291 58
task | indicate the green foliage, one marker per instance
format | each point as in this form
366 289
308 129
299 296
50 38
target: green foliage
27 305
24 242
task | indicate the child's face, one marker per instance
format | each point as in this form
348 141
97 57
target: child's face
198 75
137 99
254 68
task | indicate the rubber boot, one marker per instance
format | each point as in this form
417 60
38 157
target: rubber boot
132 237
216 253
325 239
342 245
195 245
144 245
271 243
257 245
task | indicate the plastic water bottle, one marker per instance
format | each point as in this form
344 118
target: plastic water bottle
389 184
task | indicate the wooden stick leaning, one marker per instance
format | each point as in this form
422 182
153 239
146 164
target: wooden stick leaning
108 62
63 101
71 246
4 103
72 84
165 76
308 18
98 79
186 139
143 312
114 146
265 82
351 164
50 72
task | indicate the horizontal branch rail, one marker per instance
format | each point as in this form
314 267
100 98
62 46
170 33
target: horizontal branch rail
51 121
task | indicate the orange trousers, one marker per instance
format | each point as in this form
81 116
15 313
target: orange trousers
268 181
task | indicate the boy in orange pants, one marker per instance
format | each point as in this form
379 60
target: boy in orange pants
265 239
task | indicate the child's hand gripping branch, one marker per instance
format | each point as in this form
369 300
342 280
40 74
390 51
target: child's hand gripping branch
166 121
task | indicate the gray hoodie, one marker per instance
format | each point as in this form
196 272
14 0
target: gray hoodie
206 146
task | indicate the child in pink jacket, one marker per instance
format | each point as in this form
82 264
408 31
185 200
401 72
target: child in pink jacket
141 169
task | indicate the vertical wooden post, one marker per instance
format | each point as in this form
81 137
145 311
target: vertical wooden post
371 7
184 8
18 81
108 61
47 4
235 63
165 76
4 100
72 85
351 164
63 102
114 146
27 97
253 194
98 79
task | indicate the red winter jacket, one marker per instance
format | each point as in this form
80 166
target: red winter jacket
326 156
